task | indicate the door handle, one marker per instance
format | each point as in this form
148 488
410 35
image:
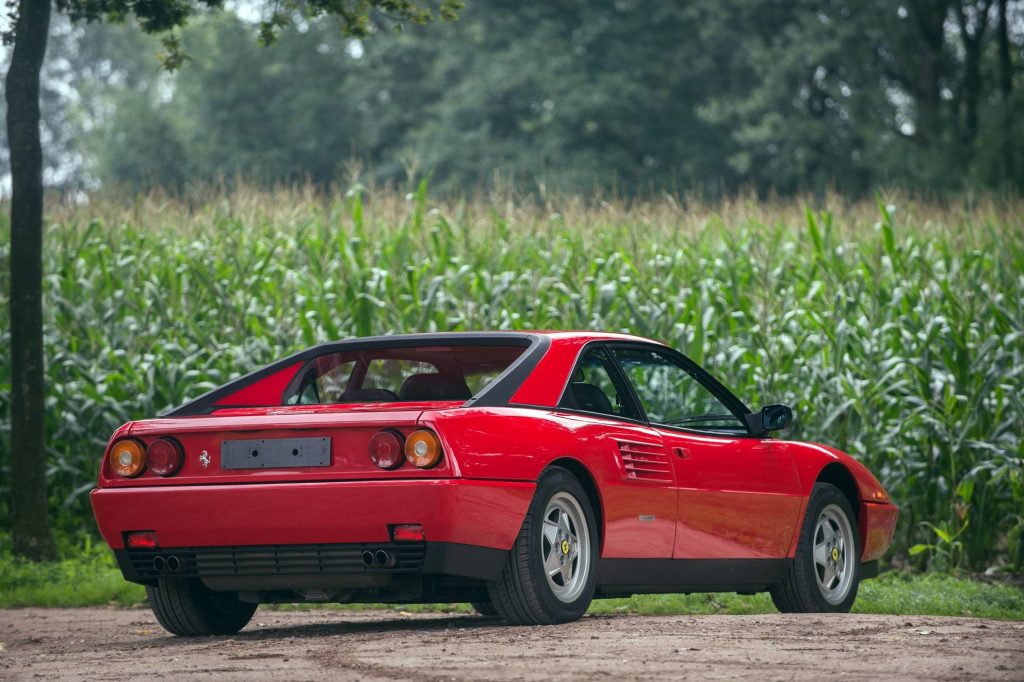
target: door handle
681 453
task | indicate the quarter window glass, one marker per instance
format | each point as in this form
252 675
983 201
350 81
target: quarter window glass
670 395
332 379
592 389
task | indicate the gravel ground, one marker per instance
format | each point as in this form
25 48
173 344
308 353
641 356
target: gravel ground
115 644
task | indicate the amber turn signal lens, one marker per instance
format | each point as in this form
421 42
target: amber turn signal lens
423 449
165 456
127 458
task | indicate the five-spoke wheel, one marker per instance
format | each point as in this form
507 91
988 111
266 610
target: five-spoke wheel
832 568
563 533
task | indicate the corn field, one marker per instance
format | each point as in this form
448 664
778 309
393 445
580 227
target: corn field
895 329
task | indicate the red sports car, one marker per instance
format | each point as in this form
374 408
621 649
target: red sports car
526 473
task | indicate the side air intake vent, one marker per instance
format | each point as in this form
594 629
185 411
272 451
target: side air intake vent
645 462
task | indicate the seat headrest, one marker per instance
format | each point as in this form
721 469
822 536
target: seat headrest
434 387
369 395
591 398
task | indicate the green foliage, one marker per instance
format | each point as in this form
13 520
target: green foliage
87 577
895 333
707 97
891 593
353 17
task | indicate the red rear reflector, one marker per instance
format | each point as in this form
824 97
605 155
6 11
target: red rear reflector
165 456
386 449
409 532
145 539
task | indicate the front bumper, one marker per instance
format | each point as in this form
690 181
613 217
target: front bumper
206 519
878 525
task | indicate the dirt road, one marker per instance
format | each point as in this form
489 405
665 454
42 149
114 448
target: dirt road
115 644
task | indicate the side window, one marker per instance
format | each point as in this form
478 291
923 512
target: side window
671 396
593 387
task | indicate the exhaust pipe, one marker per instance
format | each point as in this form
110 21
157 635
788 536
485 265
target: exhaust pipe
171 564
379 559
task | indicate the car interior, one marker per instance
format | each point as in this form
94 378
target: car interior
401 375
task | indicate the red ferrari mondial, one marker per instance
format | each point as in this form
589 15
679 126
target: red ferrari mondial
526 473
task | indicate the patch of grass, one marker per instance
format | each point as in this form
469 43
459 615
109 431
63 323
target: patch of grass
89 579
892 593
940 595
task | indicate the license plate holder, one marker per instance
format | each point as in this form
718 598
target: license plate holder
275 453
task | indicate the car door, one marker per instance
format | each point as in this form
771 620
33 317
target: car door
738 496
628 457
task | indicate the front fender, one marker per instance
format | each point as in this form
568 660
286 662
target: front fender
812 458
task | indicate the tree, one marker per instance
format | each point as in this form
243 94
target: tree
29 523
30 28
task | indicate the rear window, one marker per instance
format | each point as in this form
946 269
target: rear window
422 374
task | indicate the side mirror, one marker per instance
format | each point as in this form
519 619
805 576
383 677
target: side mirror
770 418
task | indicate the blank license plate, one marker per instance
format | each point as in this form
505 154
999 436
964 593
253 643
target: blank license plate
275 453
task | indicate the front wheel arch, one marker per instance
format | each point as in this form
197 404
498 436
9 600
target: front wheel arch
839 476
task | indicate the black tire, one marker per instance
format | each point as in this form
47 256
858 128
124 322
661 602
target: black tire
484 608
802 590
524 595
188 608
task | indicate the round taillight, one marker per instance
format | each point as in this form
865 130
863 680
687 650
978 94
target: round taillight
423 449
127 458
386 449
165 456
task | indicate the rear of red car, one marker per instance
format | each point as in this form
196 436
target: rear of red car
323 477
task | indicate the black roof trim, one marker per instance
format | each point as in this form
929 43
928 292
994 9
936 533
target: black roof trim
496 394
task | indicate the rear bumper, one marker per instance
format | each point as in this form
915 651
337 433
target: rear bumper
478 513
295 566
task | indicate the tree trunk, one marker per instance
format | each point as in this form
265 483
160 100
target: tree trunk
29 522
1006 92
972 37
930 18
1005 61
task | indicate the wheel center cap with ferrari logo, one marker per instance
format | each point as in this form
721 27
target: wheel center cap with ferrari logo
565 547
835 554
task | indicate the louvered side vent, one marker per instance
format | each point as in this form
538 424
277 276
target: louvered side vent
645 462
